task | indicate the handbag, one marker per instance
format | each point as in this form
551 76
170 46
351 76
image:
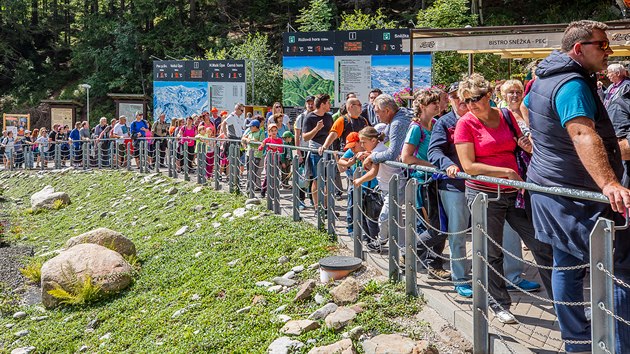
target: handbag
372 203
522 159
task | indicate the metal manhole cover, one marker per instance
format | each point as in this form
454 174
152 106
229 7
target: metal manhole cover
340 263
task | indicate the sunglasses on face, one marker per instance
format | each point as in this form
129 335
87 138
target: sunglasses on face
603 45
474 99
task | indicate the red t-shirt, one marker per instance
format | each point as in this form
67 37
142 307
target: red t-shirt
494 147
269 148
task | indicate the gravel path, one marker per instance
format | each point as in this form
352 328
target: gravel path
11 260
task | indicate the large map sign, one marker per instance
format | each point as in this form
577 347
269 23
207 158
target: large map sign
340 62
182 88
17 123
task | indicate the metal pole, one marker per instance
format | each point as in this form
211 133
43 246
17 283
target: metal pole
230 167
237 168
411 265
268 174
99 154
602 325
169 157
253 83
217 169
199 152
186 161
394 212
250 173
86 156
320 194
330 196
357 218
481 338
294 191
128 156
276 183
57 156
471 64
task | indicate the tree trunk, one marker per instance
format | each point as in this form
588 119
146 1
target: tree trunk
34 12
193 10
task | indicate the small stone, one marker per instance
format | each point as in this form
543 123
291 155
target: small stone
250 206
347 292
106 336
289 275
311 341
103 214
240 212
343 346
297 269
298 327
284 281
216 225
264 284
284 345
23 350
232 263
274 289
179 313
252 201
22 333
144 207
306 290
283 259
226 215
313 266
39 318
83 348
358 308
323 312
340 318
279 309
182 230
195 297
319 299
196 332
354 333
255 217
259 299
9 325
198 254
19 315
197 208
171 191
282 318
301 251
197 190
394 343
244 310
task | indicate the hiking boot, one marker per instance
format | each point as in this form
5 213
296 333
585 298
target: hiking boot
438 273
464 290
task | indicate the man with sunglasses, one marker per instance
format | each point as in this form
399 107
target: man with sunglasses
576 147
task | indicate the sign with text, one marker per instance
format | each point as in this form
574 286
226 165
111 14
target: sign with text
17 123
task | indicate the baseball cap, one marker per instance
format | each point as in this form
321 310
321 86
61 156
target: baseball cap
27 132
287 134
351 140
254 123
454 87
272 125
214 109
309 98
224 112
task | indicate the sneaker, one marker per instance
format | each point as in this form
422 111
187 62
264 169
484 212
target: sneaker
301 206
525 285
339 197
588 313
375 246
438 273
464 290
505 316
350 231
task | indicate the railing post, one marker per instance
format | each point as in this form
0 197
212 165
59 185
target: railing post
199 146
169 157
186 161
294 190
86 156
357 218
267 181
57 156
276 183
602 325
157 154
330 196
481 339
411 265
250 173
128 155
237 168
394 212
321 185
217 167
99 154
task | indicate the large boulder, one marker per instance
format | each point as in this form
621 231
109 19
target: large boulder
45 198
107 269
105 237
393 343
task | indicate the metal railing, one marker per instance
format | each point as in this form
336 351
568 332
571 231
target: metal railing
247 172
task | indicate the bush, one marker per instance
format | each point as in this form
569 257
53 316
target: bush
81 292
33 271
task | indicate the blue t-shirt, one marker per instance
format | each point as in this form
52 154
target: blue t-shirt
573 99
420 138
350 171
76 137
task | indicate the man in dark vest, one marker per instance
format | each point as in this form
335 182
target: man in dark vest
575 146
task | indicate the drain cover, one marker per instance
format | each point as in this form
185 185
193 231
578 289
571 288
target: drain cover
340 263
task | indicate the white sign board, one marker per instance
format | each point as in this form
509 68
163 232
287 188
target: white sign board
352 74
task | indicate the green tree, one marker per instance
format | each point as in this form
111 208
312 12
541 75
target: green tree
316 17
363 21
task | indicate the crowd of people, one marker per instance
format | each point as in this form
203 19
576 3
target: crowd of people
560 128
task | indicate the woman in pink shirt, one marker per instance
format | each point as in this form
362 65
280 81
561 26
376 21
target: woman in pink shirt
486 146
187 135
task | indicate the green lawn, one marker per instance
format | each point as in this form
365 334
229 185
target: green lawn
140 318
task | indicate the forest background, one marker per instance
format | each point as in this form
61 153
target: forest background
49 47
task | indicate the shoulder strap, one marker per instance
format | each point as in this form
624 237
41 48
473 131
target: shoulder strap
508 119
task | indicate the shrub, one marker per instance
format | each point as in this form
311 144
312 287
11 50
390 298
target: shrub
33 271
80 293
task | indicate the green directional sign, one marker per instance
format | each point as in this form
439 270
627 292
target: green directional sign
291 39
386 36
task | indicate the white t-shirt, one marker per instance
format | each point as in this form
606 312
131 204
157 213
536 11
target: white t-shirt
235 125
385 172
122 132
298 125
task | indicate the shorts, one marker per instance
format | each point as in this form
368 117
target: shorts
136 147
122 149
313 160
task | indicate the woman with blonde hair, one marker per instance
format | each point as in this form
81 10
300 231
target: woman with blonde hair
486 141
512 92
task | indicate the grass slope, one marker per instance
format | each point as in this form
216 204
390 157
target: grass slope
140 318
